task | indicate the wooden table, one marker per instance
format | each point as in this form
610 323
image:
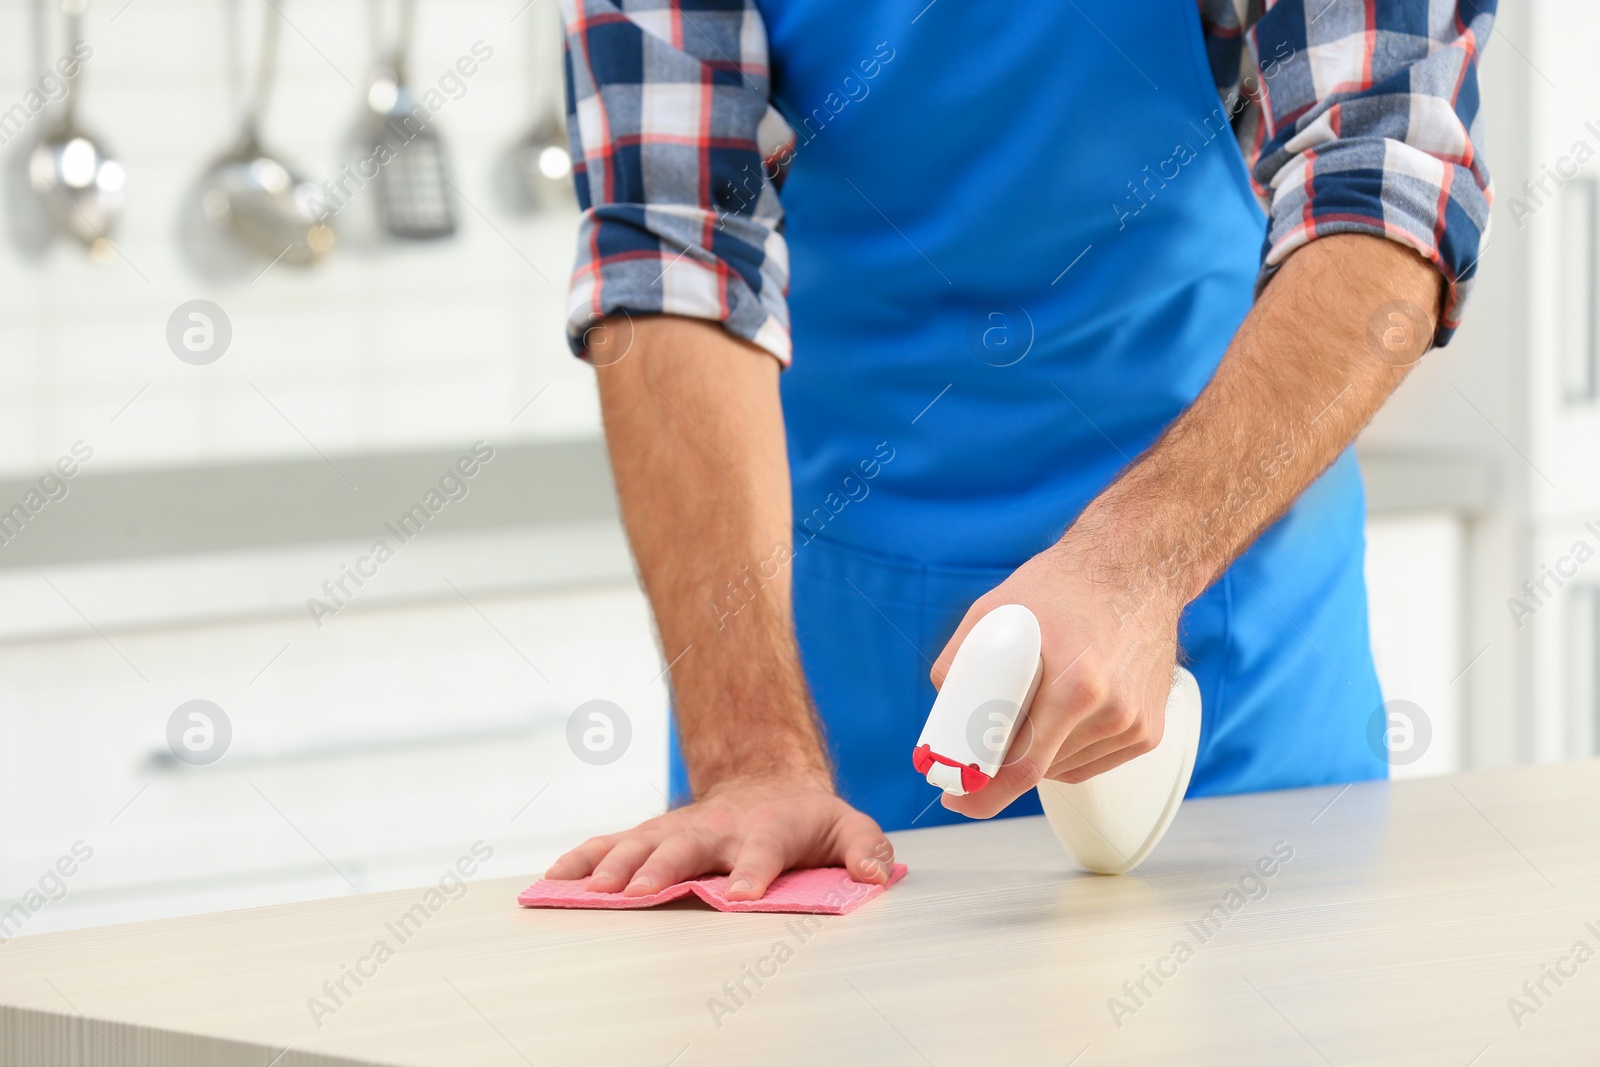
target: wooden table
1396 926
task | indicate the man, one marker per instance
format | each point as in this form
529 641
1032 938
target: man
1047 349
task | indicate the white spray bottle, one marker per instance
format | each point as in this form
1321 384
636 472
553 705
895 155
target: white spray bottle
1108 824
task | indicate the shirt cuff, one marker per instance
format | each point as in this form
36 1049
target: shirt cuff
1390 189
675 260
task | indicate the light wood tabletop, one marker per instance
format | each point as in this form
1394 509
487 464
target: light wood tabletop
1451 921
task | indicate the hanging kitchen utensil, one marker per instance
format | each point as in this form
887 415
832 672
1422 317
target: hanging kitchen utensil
26 224
412 189
77 182
251 197
536 170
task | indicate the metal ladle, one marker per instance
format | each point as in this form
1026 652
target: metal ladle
77 182
543 165
256 199
536 172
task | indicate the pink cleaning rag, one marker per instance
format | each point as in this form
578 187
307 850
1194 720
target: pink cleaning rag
815 891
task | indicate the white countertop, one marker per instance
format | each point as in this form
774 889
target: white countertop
1398 930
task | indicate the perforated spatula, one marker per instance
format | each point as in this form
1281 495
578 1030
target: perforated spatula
412 188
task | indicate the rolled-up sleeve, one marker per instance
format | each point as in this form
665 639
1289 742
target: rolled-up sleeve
668 115
1370 123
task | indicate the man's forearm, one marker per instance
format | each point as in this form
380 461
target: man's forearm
695 433
1301 378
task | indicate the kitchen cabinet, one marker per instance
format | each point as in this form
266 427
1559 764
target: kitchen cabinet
360 754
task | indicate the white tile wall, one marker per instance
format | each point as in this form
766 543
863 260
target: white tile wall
390 347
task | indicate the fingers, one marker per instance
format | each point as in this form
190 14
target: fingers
1080 708
867 853
1140 737
755 835
1098 744
581 860
1086 771
1081 725
858 843
760 861
1014 779
680 857
1063 701
941 666
617 867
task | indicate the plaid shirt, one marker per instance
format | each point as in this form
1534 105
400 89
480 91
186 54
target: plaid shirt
1357 116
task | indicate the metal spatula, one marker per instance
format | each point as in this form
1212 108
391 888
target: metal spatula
412 189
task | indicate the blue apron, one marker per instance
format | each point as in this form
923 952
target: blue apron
1020 243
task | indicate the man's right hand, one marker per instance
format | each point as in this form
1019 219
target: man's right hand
694 425
753 830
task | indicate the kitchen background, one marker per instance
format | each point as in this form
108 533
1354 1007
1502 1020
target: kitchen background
444 698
